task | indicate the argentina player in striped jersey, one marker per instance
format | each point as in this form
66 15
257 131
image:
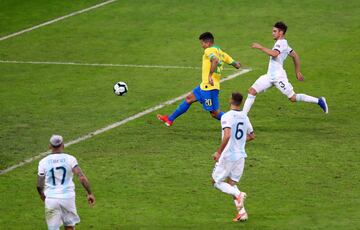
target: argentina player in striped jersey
56 187
230 157
276 75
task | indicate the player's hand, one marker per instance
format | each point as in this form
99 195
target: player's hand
211 81
216 156
91 199
42 197
299 76
256 46
237 65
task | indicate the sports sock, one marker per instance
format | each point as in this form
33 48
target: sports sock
242 210
182 108
306 98
226 188
236 187
248 103
235 201
220 115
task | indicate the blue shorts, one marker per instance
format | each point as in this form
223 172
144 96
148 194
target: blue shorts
208 98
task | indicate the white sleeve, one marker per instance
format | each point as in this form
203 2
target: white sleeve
282 46
289 49
41 169
249 125
72 161
225 122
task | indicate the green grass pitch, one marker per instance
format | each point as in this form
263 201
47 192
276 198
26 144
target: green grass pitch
302 171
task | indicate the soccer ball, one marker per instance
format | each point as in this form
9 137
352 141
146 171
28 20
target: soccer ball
120 88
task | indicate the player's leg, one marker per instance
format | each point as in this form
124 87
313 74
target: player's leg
321 101
53 214
69 213
287 89
241 216
215 112
220 173
261 84
181 109
234 177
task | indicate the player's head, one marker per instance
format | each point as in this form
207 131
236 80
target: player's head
279 30
56 143
206 39
236 99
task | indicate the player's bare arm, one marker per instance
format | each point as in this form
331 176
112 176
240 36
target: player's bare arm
296 60
214 64
224 142
40 187
250 136
270 52
85 183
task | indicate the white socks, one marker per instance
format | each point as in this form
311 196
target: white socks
248 103
227 188
236 188
235 201
242 211
231 190
306 98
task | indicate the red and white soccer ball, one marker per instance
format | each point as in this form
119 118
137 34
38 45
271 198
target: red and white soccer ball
120 88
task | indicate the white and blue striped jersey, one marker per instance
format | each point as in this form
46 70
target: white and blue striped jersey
240 126
57 169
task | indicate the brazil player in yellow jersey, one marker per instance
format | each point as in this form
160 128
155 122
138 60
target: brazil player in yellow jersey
207 92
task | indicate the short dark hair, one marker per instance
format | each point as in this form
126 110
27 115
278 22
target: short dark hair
281 26
207 37
236 98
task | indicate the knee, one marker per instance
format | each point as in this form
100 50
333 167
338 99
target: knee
252 91
189 99
231 182
214 114
293 98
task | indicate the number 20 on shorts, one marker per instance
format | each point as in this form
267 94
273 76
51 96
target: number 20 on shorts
208 102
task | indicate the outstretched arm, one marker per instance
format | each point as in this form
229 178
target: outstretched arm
236 64
270 52
40 187
229 60
85 183
224 142
296 60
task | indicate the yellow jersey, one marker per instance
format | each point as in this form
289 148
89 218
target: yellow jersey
209 54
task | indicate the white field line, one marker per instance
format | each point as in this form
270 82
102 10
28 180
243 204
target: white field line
55 20
116 124
100 64
97 64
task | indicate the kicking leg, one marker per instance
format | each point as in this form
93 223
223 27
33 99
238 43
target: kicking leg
182 108
287 89
310 99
